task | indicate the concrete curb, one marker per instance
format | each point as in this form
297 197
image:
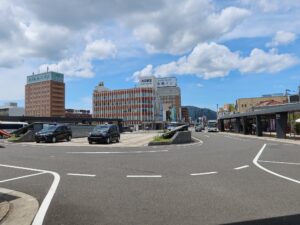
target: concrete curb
4 208
22 210
286 141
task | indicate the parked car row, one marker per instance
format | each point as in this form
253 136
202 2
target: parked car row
102 133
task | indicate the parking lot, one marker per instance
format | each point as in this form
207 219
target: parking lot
134 139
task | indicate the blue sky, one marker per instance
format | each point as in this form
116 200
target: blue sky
218 50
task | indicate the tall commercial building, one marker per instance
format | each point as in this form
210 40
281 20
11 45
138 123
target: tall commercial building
45 95
170 96
138 105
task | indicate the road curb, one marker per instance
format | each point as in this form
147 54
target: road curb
286 141
21 210
4 208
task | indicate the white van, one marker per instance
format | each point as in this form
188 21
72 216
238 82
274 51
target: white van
212 126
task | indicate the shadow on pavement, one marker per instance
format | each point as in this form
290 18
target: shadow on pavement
283 220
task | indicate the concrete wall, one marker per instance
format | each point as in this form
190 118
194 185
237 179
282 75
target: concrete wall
81 130
182 137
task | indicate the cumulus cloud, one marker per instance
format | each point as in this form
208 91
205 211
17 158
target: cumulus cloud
260 61
282 38
178 34
211 60
50 28
81 66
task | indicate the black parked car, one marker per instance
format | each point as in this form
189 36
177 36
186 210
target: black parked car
54 133
104 133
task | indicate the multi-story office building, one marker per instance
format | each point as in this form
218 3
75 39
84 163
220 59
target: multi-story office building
170 96
45 95
138 105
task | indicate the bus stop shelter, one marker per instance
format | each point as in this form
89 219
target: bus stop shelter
241 122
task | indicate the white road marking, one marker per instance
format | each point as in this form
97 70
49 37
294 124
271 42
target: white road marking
21 177
39 217
241 167
206 136
201 174
197 139
288 163
80 174
144 176
132 152
269 171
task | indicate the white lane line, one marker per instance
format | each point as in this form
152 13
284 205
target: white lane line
206 136
269 171
144 176
21 177
197 139
288 163
201 174
241 167
39 217
132 152
81 174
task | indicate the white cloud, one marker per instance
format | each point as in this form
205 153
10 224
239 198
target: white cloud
199 85
81 66
282 38
44 29
213 60
100 49
194 21
266 62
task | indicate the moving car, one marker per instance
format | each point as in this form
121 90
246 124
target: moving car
53 133
104 133
212 126
199 127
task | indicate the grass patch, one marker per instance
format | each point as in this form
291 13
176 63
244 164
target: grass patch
13 138
161 139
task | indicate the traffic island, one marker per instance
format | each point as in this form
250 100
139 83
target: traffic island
16 207
180 137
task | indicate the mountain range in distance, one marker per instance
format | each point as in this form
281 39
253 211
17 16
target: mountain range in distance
196 112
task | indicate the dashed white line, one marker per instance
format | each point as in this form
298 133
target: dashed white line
144 176
269 171
288 163
131 152
206 136
241 167
21 177
201 174
81 174
39 217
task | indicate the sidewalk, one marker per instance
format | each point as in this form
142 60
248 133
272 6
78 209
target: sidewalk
287 141
16 207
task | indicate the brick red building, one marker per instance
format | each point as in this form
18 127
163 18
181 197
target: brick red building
45 95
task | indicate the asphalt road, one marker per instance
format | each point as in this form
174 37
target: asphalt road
214 182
